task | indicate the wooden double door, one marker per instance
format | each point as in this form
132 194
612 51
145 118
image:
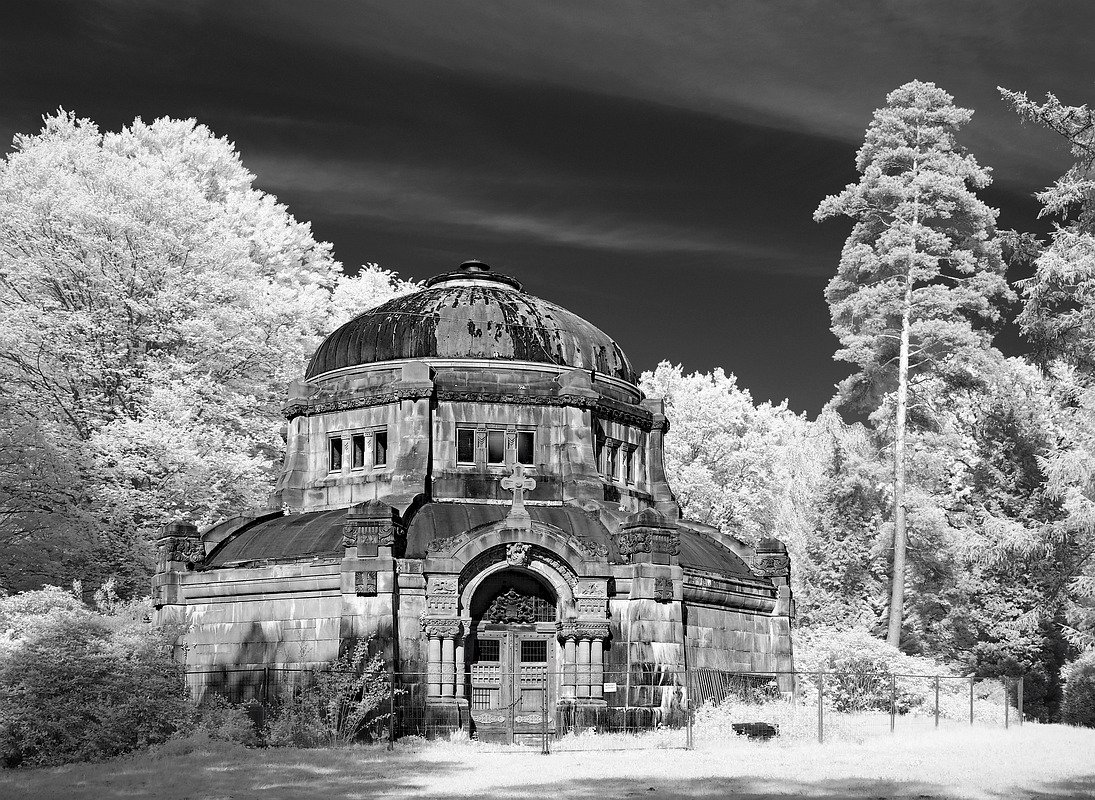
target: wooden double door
512 682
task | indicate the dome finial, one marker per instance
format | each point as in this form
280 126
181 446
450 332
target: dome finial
474 265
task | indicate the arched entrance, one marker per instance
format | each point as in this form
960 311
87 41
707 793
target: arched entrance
511 657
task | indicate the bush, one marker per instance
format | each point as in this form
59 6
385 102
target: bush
76 685
338 706
1078 707
861 663
222 721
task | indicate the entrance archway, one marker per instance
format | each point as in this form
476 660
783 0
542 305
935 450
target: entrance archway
511 657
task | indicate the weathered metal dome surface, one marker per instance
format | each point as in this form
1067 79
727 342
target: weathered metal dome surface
471 313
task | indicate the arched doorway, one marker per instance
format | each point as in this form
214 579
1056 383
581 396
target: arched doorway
511 657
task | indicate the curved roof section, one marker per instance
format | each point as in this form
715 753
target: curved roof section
283 537
471 313
319 533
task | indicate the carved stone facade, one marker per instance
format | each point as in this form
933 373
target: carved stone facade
475 481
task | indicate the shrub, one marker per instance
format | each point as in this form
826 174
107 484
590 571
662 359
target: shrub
221 721
76 685
861 662
1078 707
337 707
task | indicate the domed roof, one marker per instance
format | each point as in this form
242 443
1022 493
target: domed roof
471 313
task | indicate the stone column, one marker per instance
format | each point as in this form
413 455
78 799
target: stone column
448 667
570 675
433 666
460 667
583 668
596 669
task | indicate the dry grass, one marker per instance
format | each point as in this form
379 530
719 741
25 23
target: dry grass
1034 761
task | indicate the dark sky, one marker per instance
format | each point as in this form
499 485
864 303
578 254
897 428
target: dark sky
653 166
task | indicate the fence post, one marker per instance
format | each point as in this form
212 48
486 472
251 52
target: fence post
391 711
937 701
820 706
1005 682
688 710
1020 699
972 681
893 701
545 750
266 686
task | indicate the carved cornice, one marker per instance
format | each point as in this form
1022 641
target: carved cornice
604 407
582 629
310 409
442 627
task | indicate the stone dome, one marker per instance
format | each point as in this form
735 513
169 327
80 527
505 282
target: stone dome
471 313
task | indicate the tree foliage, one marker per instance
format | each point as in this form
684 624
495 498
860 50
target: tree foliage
919 289
153 307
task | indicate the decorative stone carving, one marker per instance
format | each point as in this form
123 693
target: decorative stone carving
518 554
442 628
648 532
441 599
308 409
180 544
513 606
663 589
591 606
447 545
771 565
370 525
488 719
364 583
582 630
558 565
591 589
500 553
442 584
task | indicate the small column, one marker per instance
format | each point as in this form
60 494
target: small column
597 669
570 675
583 668
448 667
433 671
460 666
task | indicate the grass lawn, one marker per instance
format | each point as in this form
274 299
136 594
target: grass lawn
1035 761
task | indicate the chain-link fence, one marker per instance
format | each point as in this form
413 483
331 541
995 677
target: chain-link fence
641 708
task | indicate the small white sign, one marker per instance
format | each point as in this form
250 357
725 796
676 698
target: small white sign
610 688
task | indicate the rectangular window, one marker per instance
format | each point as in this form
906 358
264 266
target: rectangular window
610 463
496 447
629 468
526 451
335 452
488 650
357 451
533 651
380 448
465 446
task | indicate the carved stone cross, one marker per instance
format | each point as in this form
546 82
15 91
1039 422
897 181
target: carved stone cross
518 484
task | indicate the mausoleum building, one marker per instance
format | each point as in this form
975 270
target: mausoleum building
474 481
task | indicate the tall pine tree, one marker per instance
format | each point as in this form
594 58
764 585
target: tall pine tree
918 292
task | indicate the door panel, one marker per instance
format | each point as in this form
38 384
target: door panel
511 678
